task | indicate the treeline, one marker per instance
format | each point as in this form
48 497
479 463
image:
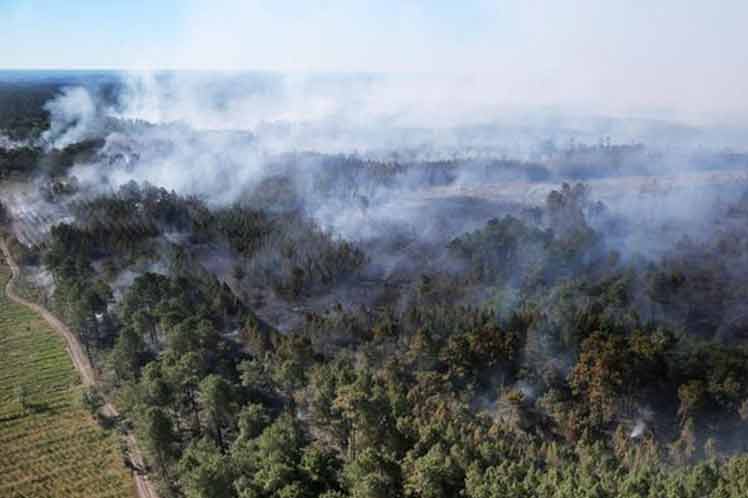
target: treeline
32 160
24 94
341 176
22 113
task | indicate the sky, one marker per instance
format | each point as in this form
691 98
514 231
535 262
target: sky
666 55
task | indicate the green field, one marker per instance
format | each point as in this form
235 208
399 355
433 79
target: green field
51 447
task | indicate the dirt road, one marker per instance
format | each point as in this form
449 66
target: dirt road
143 486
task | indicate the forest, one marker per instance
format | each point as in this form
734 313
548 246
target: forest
515 351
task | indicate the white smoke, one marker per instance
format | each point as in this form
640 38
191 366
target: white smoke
217 166
73 117
638 429
218 135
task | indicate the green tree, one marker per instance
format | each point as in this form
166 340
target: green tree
215 398
183 374
160 439
252 420
204 472
433 475
373 474
271 463
127 354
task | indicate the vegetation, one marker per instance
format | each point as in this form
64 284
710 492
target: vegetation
22 111
51 447
526 357
567 390
28 160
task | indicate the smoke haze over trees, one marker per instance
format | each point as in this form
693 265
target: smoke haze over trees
293 289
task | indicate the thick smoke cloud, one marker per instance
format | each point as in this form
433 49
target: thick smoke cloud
73 117
215 166
221 135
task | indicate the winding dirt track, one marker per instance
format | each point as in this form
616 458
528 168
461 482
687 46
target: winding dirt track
143 486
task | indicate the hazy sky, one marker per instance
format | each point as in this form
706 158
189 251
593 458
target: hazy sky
670 55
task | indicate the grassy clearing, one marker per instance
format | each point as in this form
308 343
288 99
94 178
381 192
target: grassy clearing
52 447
